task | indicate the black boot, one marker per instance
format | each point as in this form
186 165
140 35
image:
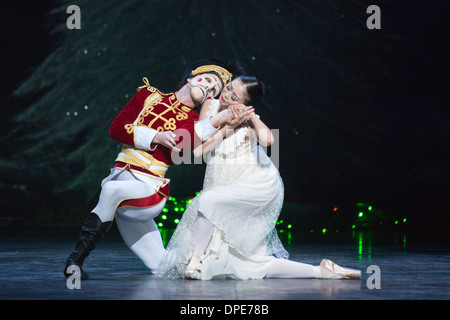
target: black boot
92 231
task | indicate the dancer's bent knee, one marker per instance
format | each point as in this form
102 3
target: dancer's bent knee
141 214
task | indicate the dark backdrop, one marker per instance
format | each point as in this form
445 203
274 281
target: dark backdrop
362 114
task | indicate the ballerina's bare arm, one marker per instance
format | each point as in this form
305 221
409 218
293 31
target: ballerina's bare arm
263 132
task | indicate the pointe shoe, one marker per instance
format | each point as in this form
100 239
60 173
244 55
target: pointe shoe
346 273
192 270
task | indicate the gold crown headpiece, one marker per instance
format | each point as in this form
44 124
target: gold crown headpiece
224 74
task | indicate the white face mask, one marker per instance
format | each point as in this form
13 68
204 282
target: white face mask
204 86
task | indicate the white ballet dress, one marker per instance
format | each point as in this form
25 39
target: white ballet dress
242 197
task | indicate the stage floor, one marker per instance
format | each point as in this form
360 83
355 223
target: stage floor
32 269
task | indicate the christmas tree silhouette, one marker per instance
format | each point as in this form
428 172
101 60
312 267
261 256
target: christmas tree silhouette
325 74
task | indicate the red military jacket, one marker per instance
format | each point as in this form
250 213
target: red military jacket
148 112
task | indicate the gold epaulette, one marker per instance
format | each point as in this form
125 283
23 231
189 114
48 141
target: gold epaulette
146 85
152 89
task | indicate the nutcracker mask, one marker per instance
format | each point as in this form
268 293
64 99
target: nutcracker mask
207 81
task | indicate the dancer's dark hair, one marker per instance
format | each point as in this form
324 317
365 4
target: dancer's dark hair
255 89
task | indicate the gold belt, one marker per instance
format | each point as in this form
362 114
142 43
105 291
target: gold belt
143 160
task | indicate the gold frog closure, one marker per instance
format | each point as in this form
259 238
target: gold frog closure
161 111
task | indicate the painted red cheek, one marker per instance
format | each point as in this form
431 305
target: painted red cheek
200 80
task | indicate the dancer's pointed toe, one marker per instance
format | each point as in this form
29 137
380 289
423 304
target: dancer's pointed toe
345 273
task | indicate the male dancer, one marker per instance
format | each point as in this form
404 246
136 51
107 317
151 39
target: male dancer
135 192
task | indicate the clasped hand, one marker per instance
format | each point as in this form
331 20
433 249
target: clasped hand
238 114
232 117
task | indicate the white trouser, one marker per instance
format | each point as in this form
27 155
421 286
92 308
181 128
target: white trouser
136 225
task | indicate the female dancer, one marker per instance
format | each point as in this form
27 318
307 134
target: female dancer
229 228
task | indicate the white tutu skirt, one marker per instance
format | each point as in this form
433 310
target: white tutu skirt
242 197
